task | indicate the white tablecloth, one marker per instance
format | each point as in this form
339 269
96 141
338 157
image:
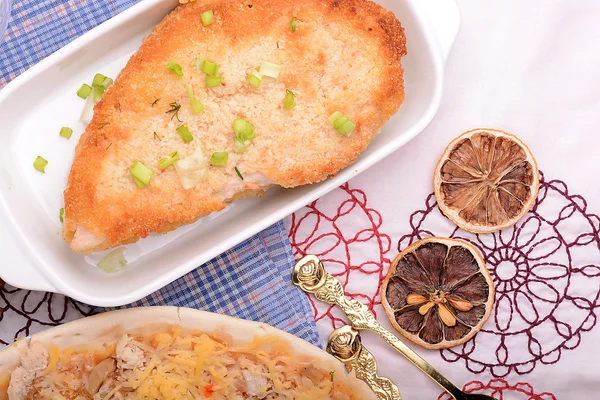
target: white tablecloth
530 68
533 69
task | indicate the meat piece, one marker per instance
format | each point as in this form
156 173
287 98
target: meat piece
343 57
34 359
128 355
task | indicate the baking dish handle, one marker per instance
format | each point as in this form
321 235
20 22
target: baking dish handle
17 268
444 19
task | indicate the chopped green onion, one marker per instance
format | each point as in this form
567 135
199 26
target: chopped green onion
66 132
185 133
240 147
40 164
213 81
191 169
61 214
208 17
237 171
167 161
106 83
244 130
199 61
98 79
219 159
290 100
342 123
210 68
114 261
175 68
255 78
197 105
294 24
141 174
270 69
98 92
84 91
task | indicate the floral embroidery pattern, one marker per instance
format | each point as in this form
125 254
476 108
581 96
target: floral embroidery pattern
547 282
345 222
499 388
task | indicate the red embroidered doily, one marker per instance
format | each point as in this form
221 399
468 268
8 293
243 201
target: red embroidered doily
498 388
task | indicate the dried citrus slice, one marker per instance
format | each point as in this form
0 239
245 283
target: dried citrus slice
438 292
486 180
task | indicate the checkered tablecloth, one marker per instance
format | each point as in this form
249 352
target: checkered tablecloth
250 281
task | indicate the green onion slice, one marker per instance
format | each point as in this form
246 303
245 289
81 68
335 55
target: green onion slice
290 100
240 147
106 83
210 68
270 69
185 133
219 159
40 164
244 130
294 24
61 214
213 81
66 132
98 79
237 171
208 17
199 62
114 262
197 105
175 68
165 162
84 91
141 174
255 78
342 123
98 92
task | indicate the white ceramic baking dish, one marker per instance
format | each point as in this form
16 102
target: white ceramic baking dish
35 105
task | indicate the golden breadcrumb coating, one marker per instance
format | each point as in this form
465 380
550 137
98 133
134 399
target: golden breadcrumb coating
344 56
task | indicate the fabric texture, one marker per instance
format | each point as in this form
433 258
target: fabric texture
250 281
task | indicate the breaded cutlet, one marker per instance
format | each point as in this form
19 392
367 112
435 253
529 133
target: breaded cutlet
344 56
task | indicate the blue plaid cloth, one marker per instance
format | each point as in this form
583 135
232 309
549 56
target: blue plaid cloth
250 281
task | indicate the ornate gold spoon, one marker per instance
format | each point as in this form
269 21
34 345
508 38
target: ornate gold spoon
310 275
344 344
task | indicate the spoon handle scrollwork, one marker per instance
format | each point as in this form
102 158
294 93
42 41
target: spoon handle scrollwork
310 275
345 345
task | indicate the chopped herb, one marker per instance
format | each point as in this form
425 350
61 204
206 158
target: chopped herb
156 100
341 123
84 91
270 69
197 105
210 68
207 17
278 44
163 163
103 124
66 132
108 147
157 137
175 68
294 24
61 214
98 79
331 375
255 78
213 81
243 130
290 100
141 174
40 164
237 171
185 133
219 159
175 107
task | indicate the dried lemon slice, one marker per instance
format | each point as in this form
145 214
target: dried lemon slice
438 292
486 180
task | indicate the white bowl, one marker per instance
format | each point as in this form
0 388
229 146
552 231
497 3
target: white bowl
35 105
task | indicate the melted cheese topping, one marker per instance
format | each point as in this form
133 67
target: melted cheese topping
193 366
